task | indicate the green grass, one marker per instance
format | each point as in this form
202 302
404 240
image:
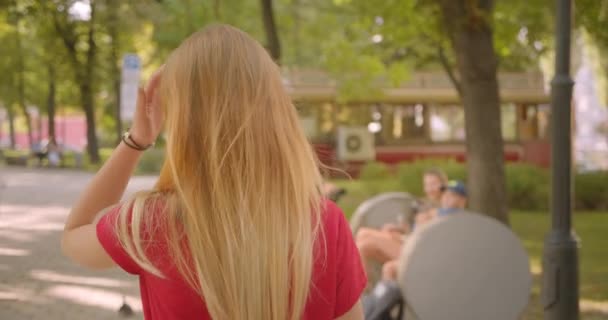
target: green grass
532 227
590 228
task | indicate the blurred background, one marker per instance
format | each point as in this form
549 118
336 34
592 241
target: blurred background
387 66
385 90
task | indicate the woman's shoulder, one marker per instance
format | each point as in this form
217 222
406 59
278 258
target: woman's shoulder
334 220
331 211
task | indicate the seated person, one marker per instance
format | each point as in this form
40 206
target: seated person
38 151
454 199
385 244
53 153
386 295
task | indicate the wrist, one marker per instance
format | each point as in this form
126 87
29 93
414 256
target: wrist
135 142
130 147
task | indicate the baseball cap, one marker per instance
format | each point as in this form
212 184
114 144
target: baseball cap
457 187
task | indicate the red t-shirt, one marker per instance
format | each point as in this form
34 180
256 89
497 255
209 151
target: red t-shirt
338 277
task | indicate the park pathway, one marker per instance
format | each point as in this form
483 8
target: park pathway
36 281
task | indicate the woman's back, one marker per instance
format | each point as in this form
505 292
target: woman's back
338 278
237 218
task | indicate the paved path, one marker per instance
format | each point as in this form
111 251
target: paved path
36 281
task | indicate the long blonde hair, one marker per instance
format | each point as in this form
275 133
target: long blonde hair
240 183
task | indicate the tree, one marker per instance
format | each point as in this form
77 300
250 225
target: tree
82 54
7 68
468 27
272 37
51 98
373 42
48 66
16 14
114 58
591 16
175 20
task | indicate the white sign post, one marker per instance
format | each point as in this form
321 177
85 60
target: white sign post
131 71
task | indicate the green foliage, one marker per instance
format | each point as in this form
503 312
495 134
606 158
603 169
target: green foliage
410 175
591 191
532 228
380 41
151 162
374 171
527 187
523 32
593 16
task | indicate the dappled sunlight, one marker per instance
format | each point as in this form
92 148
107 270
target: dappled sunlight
31 178
13 252
19 294
15 235
14 221
594 306
536 265
105 299
536 269
52 276
40 227
36 280
13 215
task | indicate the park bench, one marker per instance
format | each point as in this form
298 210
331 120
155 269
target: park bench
15 159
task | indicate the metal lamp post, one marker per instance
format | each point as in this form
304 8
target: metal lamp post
560 259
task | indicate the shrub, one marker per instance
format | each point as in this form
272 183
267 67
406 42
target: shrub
151 162
527 187
375 171
410 175
591 191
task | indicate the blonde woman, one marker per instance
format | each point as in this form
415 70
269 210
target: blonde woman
236 226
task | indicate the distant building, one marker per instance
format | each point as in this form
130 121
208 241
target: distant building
422 118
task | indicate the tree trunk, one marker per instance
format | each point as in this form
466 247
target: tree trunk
84 71
51 101
296 30
272 37
117 103
11 126
87 93
468 26
21 87
217 13
114 62
89 111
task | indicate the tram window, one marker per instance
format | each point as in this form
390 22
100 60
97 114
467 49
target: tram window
509 122
447 123
401 123
318 120
544 113
528 122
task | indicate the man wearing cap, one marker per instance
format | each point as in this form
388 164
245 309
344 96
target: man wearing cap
453 199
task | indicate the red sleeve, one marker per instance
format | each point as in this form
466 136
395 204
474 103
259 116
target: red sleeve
106 233
351 277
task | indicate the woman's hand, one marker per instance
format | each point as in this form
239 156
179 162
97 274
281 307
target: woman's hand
148 118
